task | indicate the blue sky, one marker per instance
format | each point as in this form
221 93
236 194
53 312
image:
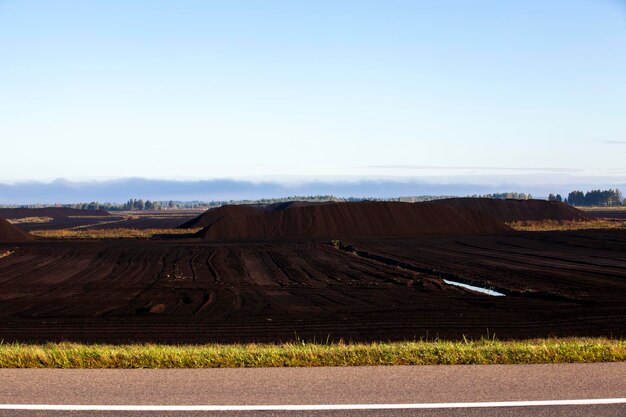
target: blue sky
313 89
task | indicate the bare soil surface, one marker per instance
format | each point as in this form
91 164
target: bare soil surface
519 210
149 221
115 221
331 220
556 284
60 223
608 213
11 233
54 212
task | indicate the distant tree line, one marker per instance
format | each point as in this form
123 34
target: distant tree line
596 198
139 204
505 196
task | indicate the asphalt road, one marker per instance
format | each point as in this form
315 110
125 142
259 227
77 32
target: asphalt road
355 389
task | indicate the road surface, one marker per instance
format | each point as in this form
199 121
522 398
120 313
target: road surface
493 390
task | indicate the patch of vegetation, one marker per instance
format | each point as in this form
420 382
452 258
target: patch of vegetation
565 225
6 253
484 351
336 243
602 208
120 233
30 220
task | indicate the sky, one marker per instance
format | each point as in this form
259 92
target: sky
288 90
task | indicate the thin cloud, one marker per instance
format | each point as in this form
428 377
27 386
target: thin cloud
615 142
484 168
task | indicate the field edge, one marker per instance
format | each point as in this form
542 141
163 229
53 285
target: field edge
468 352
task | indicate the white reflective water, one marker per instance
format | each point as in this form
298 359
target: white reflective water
473 288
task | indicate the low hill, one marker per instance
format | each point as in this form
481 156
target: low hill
11 234
332 220
54 212
518 210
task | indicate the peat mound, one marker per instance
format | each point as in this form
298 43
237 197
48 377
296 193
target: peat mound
213 215
11 234
54 212
518 210
332 220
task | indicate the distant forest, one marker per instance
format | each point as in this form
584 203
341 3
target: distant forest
577 198
144 205
593 198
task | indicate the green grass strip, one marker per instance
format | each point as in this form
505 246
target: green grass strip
72 355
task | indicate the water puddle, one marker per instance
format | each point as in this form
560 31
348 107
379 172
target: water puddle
474 288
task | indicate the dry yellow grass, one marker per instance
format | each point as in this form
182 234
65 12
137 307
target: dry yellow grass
92 217
467 352
30 220
6 253
602 208
111 233
565 225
